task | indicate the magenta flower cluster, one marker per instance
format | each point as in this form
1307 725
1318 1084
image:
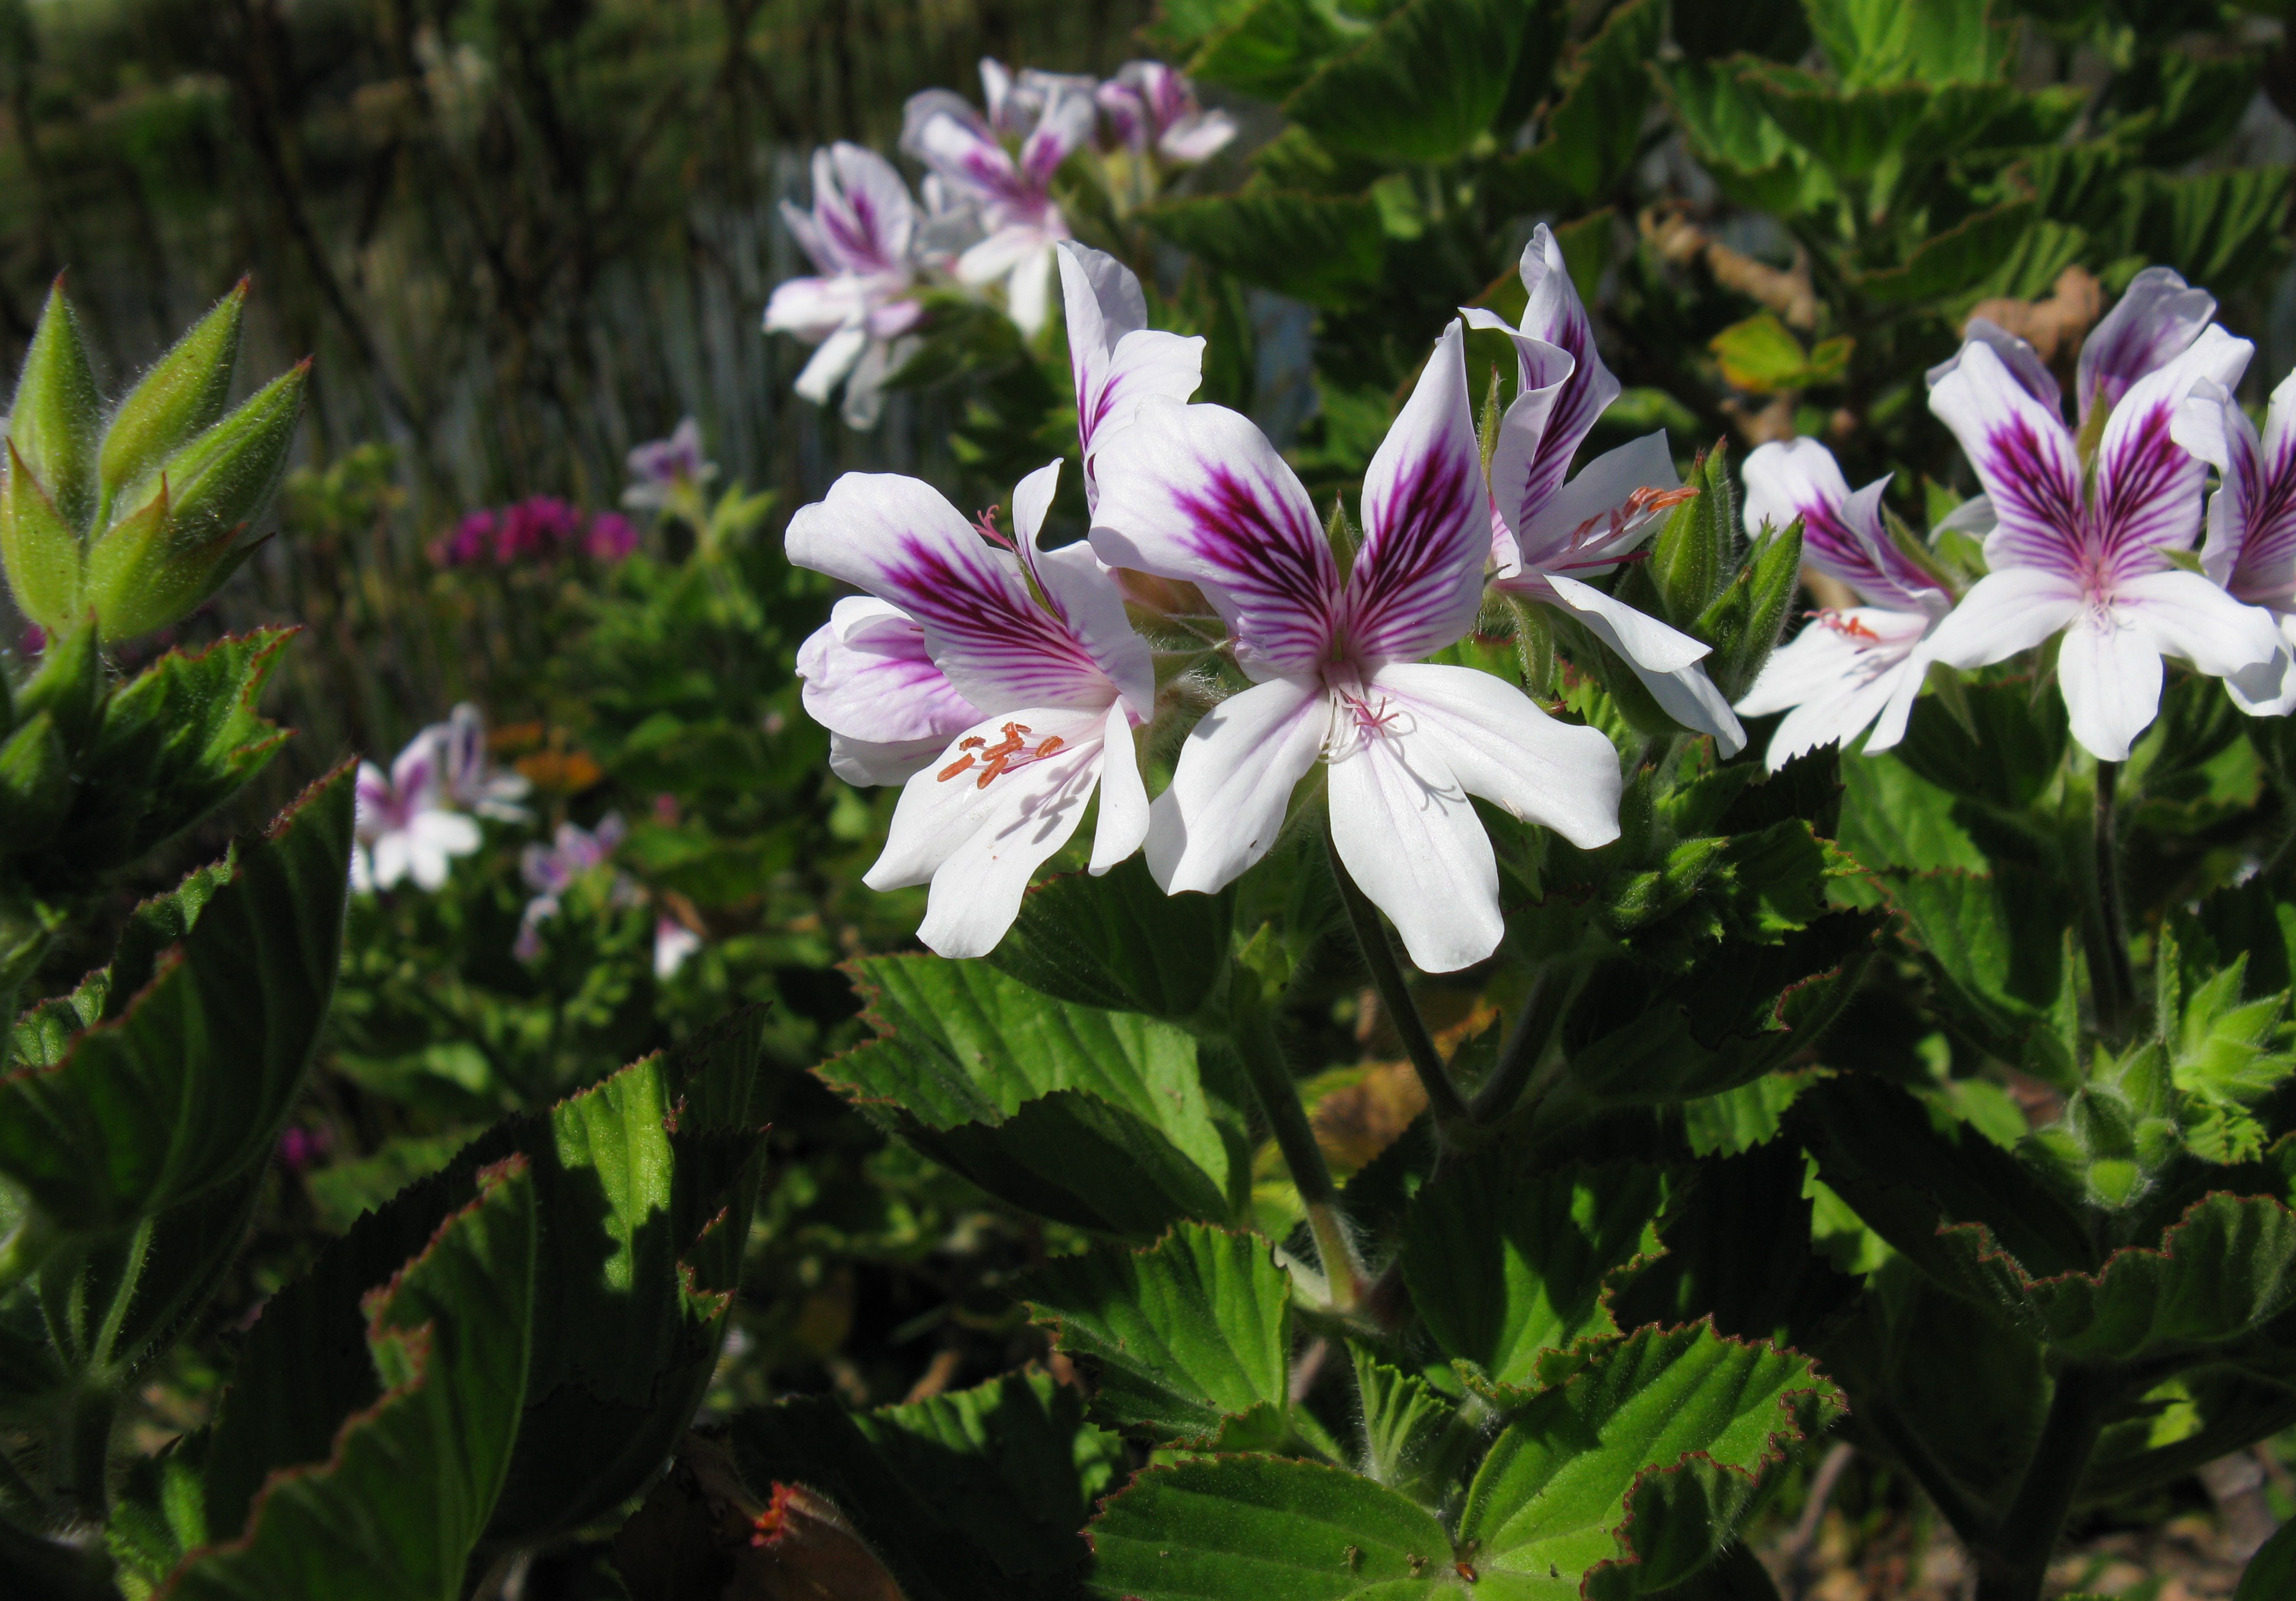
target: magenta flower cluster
540 528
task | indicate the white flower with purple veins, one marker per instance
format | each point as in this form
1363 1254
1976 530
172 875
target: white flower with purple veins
2252 544
403 828
1117 359
1058 682
1548 537
1149 106
550 870
1197 493
869 679
2081 543
1846 668
472 781
1010 194
664 473
862 234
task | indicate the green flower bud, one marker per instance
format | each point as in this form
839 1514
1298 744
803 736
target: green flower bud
224 479
57 413
34 784
181 397
157 564
70 686
1692 557
40 550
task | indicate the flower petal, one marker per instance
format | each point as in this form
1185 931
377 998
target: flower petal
2186 616
2148 486
1572 528
811 308
979 843
2023 362
1234 780
1683 693
1555 313
1115 358
1418 579
832 362
2110 673
1062 128
898 539
1123 796
1409 837
866 763
2251 548
2270 690
1842 534
1522 481
1084 591
2156 318
2002 613
869 675
2023 457
1197 493
1497 742
861 213
1637 635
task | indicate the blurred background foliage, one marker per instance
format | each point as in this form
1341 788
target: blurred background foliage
522 235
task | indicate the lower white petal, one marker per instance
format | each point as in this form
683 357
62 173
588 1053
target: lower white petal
1123 795
2265 691
863 763
829 362
1637 635
1497 742
1235 778
979 844
393 855
1408 835
2110 671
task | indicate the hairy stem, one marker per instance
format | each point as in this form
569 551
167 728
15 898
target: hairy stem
1278 1094
2012 1565
2120 980
82 1447
1443 1097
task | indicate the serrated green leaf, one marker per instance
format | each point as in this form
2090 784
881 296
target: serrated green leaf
1995 946
2015 753
1326 249
1212 1531
1422 87
1120 943
2219 227
1268 48
977 1496
1410 1438
1506 1266
1883 42
1548 1501
1098 1118
187 1086
175 744
405 1492
2224 1271
1594 131
1182 1336
1892 818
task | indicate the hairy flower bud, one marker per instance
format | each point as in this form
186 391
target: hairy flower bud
57 413
40 549
181 397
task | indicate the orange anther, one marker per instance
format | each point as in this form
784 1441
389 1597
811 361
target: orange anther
1050 745
995 765
954 768
1015 730
974 743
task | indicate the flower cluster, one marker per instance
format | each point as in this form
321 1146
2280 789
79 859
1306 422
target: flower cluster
989 219
414 820
538 529
998 678
573 853
2088 526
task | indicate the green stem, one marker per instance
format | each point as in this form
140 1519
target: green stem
1278 1094
2013 1565
82 1449
1395 995
1534 1031
2118 983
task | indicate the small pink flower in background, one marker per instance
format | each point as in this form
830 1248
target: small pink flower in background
673 943
405 827
611 537
301 1148
668 471
550 870
539 528
1149 105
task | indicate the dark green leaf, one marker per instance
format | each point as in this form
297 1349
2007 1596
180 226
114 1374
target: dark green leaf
1412 1441
2012 756
1506 1266
1214 1530
1183 1337
187 1086
1120 943
1594 131
408 1486
1326 249
1422 87
2219 228
1996 947
2271 1572
972 1497
1268 48
2227 1268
